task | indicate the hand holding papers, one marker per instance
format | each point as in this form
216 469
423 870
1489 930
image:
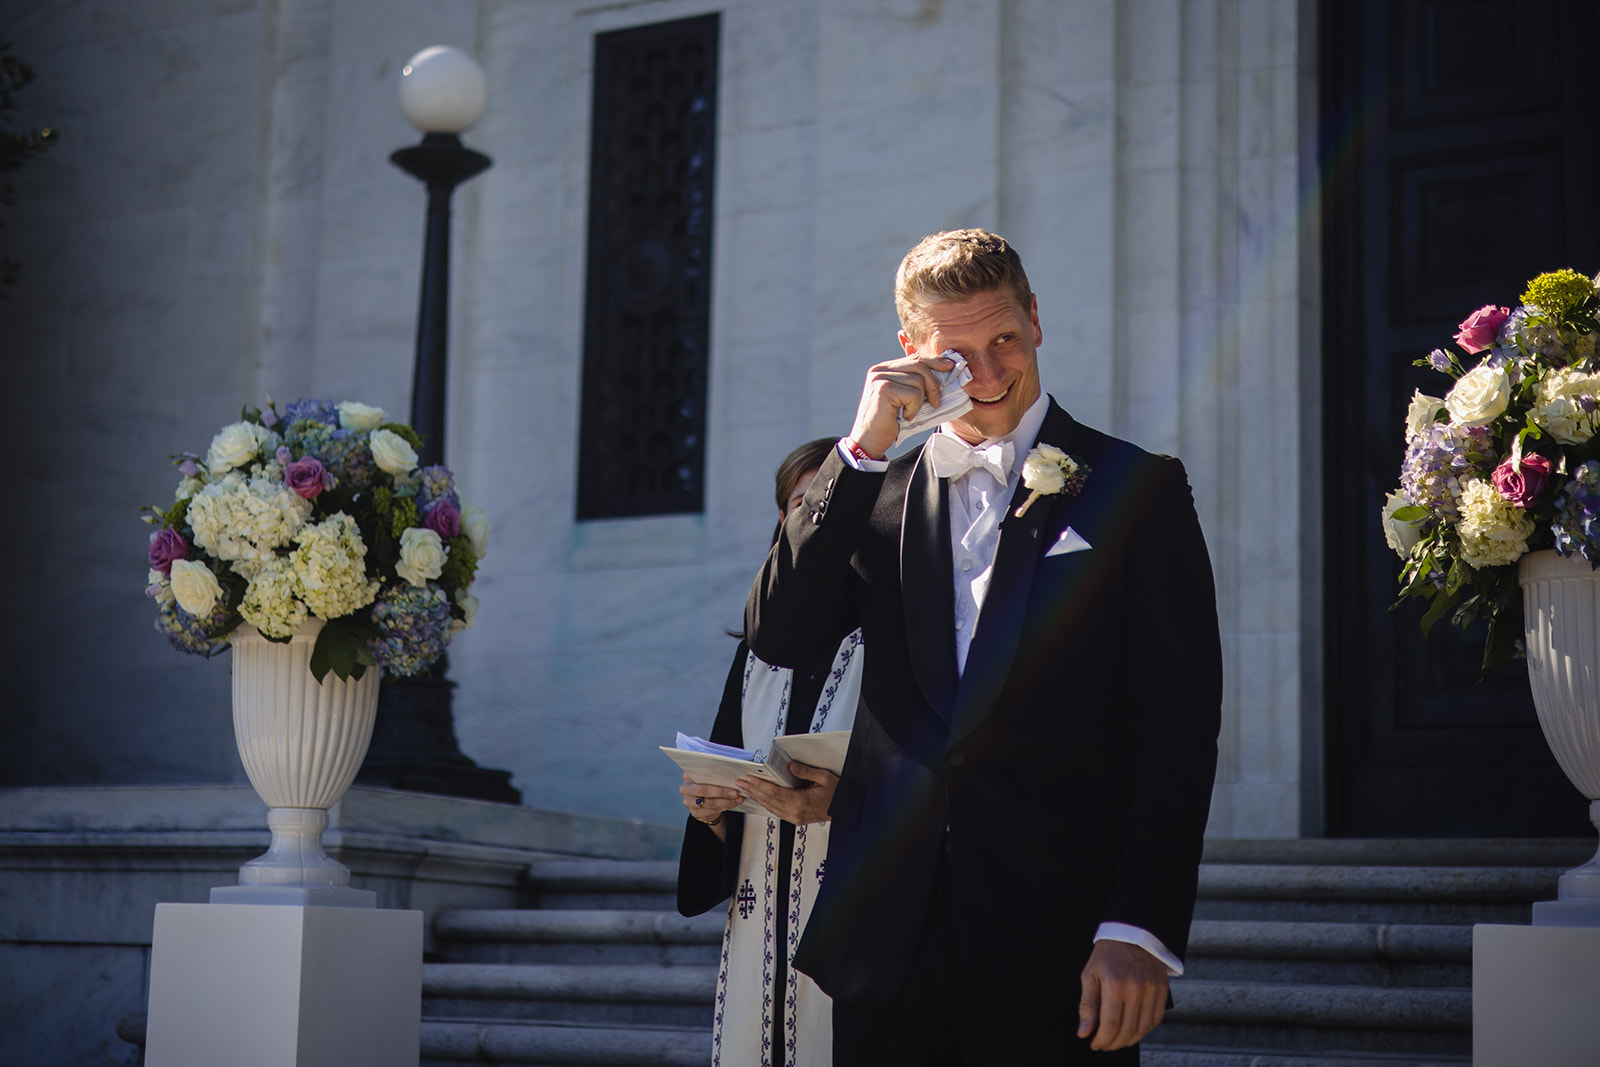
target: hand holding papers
713 764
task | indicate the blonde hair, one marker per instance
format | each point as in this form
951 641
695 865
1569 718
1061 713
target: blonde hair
956 265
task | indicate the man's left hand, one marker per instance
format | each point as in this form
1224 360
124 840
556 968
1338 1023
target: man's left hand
1124 995
799 806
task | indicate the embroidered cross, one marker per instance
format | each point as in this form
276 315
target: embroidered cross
747 899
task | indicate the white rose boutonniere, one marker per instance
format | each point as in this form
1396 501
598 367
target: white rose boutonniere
392 452
1048 471
194 587
422 555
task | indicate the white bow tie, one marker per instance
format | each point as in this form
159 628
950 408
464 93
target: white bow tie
951 457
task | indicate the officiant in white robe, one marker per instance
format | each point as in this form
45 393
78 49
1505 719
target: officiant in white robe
767 868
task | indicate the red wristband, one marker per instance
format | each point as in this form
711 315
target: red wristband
857 453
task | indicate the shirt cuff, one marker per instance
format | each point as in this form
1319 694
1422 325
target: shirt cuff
1137 935
871 466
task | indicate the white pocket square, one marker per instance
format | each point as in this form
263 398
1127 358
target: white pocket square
1069 541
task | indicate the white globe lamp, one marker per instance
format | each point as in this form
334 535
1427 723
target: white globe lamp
442 90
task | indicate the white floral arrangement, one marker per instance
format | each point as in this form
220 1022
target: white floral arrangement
1506 462
318 511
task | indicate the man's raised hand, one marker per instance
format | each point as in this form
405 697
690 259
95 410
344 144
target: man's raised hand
1124 995
893 387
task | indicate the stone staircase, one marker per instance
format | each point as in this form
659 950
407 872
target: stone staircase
1314 953
1338 953
601 969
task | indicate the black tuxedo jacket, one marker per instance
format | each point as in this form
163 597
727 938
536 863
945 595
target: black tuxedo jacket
1065 775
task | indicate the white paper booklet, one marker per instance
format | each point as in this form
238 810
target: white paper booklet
713 764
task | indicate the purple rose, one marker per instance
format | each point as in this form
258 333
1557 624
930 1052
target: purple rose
1480 328
189 468
165 547
306 477
443 518
1522 487
283 455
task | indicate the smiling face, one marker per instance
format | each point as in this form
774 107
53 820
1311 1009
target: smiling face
999 339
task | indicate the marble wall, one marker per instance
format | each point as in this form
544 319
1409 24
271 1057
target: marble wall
219 222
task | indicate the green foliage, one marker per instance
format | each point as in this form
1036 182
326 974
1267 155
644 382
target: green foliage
459 568
16 146
342 648
403 515
1559 293
400 429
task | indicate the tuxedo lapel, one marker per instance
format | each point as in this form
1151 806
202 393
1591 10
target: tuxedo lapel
994 642
926 586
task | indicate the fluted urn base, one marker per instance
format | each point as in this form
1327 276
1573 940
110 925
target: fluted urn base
301 742
1561 611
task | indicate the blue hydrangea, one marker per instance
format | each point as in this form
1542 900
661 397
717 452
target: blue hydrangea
436 483
323 411
197 636
345 454
1436 463
413 624
1577 522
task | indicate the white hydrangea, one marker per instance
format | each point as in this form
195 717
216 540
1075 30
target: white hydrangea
271 601
1493 531
187 488
331 567
243 518
1558 407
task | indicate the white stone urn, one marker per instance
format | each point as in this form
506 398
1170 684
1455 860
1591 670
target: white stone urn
302 742
1561 609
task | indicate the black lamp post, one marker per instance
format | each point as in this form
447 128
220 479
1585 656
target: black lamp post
414 743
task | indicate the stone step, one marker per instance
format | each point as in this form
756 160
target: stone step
647 885
639 994
574 936
1372 894
562 1045
1317 1019
1150 1056
1330 953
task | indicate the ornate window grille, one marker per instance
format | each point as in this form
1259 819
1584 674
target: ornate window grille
648 285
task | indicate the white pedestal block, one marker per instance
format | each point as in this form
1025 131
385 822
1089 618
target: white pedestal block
1535 996
283 986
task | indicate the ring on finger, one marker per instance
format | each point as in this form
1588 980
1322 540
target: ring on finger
699 802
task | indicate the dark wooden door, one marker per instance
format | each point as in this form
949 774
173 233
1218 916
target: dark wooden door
1458 158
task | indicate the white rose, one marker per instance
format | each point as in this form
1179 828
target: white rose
1479 397
1043 475
1402 536
195 587
422 555
234 446
359 417
469 608
1422 413
475 524
392 453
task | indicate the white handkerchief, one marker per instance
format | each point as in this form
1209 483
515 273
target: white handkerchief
953 400
1069 541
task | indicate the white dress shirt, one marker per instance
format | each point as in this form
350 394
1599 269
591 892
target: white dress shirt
977 505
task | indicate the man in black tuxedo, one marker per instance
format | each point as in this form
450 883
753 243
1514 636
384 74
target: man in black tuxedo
1019 822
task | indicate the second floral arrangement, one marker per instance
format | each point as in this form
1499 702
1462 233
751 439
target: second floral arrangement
1506 462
